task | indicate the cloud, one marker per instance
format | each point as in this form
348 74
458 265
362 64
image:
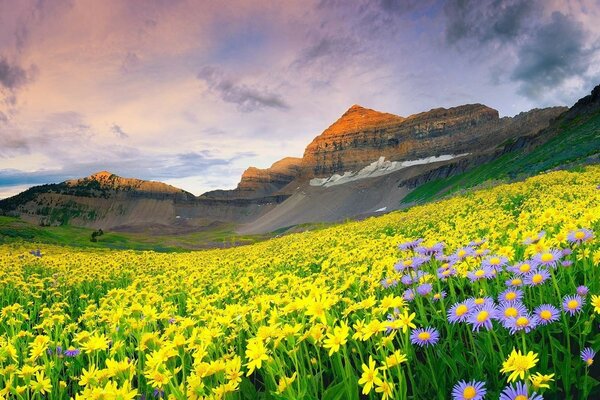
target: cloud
246 98
117 130
339 48
130 62
485 21
531 43
126 162
554 53
12 76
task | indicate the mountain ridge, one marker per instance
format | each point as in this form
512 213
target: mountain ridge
429 146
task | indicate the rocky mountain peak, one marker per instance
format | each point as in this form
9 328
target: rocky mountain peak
358 118
109 181
101 176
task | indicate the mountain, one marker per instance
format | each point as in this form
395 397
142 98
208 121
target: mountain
366 162
105 200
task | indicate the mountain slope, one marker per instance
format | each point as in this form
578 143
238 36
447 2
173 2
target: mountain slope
574 139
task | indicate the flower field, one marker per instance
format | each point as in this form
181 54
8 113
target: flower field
494 294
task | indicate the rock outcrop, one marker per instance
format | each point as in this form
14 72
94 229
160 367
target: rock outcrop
257 182
104 181
348 145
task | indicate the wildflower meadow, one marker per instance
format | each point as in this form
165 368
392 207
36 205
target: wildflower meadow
492 294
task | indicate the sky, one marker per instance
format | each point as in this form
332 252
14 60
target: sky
193 92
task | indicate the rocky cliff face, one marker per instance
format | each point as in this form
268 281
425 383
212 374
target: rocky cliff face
257 182
348 145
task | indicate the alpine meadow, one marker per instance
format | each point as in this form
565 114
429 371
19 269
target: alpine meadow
299 200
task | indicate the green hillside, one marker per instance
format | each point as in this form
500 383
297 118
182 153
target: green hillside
577 143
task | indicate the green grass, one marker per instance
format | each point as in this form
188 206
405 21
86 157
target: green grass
577 141
16 230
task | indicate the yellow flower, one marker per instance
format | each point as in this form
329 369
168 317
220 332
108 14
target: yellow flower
337 339
369 376
596 303
255 354
158 379
372 328
518 364
395 359
386 389
540 381
232 371
95 343
405 321
285 382
89 376
40 384
27 371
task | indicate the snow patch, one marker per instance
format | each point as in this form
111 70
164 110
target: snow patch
379 168
382 209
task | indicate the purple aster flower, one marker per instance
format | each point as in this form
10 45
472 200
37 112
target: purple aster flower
441 257
524 322
408 295
518 392
587 355
481 301
464 252
510 309
536 277
481 252
534 239
521 268
511 295
406 279
414 263
566 263
582 290
546 314
580 235
445 273
549 258
439 296
424 289
424 336
459 312
472 390
410 245
566 252
433 250
388 282
481 273
514 282
495 262
483 316
573 304
72 352
477 243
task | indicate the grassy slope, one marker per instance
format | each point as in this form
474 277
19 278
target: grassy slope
16 230
577 141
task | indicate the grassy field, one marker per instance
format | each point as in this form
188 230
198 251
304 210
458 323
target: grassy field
495 293
15 230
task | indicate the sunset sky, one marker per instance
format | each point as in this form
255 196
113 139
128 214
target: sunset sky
193 92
